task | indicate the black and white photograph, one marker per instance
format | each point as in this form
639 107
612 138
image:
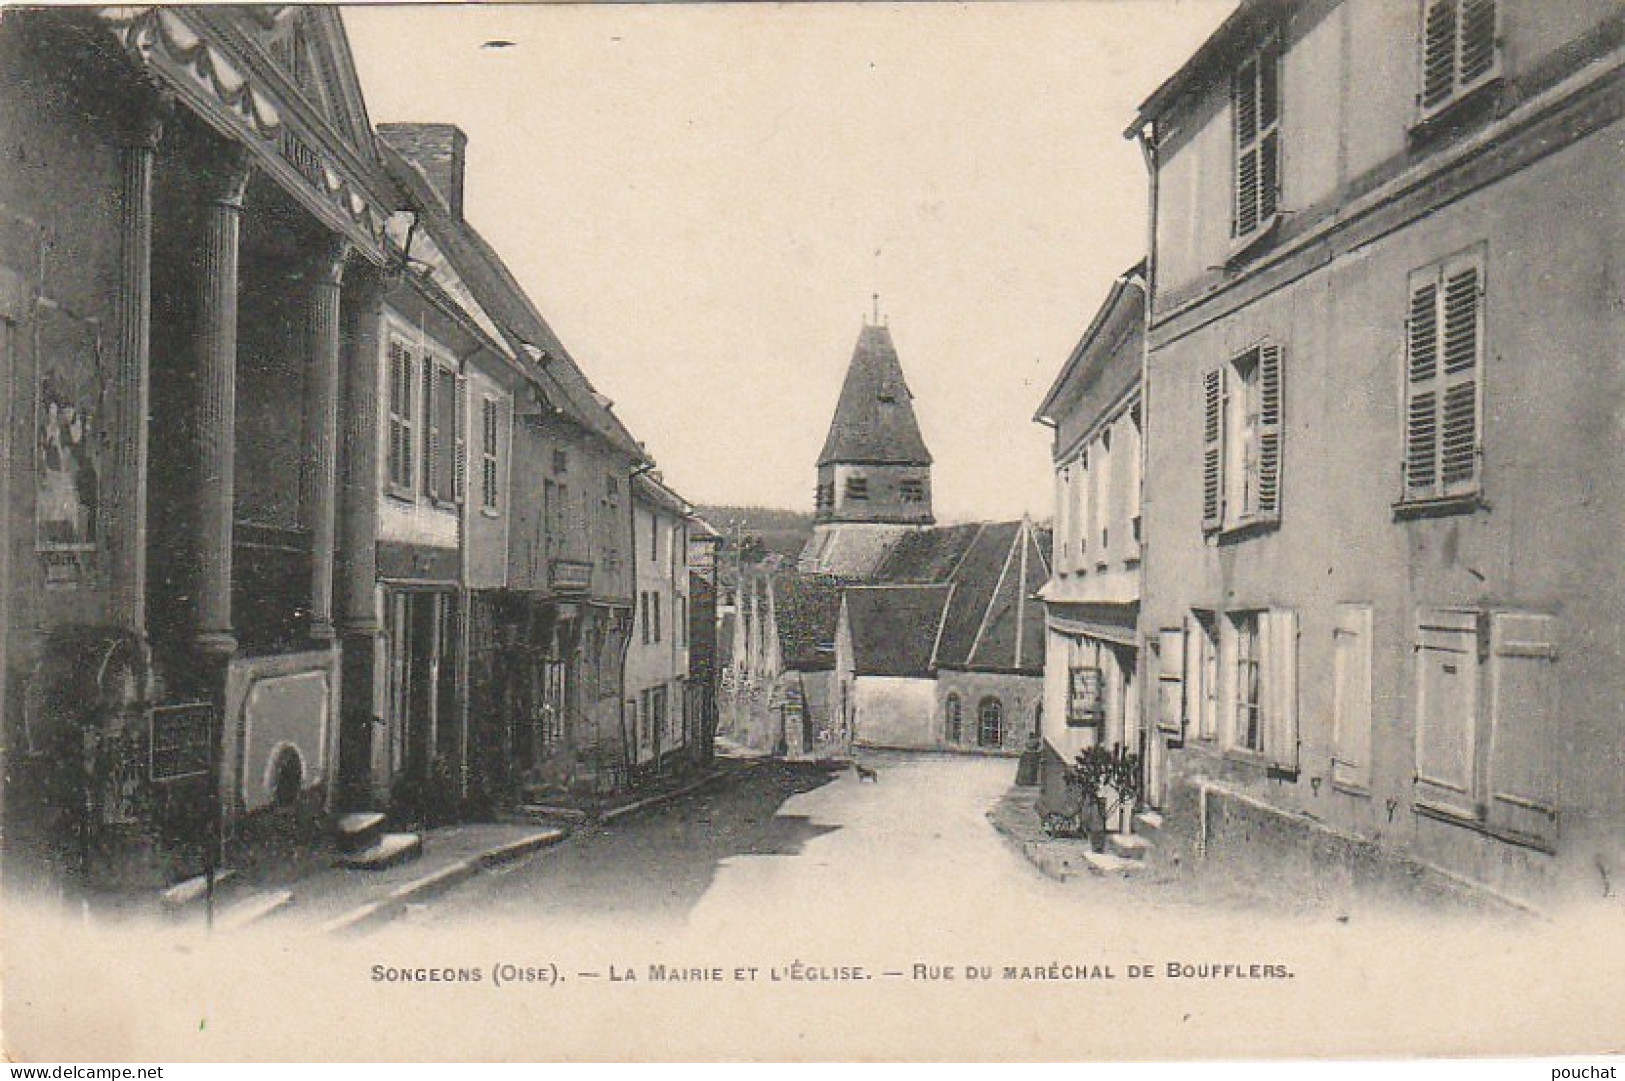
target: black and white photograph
813 532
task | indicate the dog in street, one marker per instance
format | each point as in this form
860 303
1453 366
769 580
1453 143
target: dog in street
866 773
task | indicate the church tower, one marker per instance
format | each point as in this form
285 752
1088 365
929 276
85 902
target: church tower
874 474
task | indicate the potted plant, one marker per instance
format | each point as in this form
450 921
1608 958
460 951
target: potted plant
1109 780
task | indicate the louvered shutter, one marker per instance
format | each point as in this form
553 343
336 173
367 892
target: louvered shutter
1270 403
459 461
1213 395
1447 711
1351 696
1461 318
431 429
1438 53
1524 691
1422 385
1255 109
1278 644
1478 56
1244 99
1171 680
400 414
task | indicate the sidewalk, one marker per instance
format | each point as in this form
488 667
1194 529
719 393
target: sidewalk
339 900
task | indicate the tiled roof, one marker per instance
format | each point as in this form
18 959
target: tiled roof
806 609
894 628
927 555
874 419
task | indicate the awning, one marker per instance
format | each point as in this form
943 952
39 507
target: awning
1114 623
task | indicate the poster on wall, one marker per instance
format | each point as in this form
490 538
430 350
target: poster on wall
67 415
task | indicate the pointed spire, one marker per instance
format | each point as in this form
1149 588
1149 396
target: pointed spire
874 420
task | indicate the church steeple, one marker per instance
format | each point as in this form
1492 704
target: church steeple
874 473
874 419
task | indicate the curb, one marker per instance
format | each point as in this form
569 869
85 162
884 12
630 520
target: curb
618 813
393 904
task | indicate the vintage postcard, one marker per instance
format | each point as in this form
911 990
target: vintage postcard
844 531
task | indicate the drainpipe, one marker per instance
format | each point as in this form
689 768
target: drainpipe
628 751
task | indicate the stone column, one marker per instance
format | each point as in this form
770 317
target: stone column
126 502
364 774
217 403
320 477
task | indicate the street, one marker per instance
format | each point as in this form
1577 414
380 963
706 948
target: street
785 853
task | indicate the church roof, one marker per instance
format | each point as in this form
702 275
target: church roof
894 628
874 419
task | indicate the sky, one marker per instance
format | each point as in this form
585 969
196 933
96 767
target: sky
703 199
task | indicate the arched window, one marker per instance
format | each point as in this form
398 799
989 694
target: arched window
955 719
990 723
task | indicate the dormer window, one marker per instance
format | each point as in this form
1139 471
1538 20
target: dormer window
1255 105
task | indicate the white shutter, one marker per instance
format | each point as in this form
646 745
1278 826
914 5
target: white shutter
1270 407
1351 696
1171 680
1278 644
1213 400
1447 711
1523 724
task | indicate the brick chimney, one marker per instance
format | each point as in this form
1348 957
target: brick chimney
438 151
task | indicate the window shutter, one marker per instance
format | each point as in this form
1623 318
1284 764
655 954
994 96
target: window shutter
1213 389
1171 712
431 429
400 410
1447 711
1270 402
1197 686
1244 101
1278 646
1462 314
1422 389
1438 53
1478 57
459 412
1351 696
1523 720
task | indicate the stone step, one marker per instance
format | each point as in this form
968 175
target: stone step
387 851
358 829
252 908
183 896
1131 846
1148 822
548 811
1108 863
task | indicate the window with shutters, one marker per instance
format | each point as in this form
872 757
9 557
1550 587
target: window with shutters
402 367
1460 52
911 490
1259 658
1351 698
1086 697
1444 350
1242 437
1255 105
490 447
954 718
857 487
